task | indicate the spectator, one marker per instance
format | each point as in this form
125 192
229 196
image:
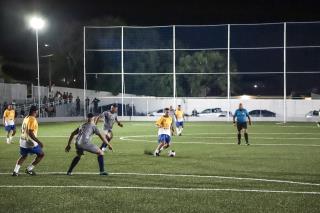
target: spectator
65 97
51 99
78 105
95 102
44 100
22 112
87 104
194 112
70 97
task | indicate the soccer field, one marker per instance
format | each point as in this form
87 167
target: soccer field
278 172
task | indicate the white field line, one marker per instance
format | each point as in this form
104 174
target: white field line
131 138
184 175
164 189
186 134
194 124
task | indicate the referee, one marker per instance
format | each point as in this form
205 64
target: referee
242 114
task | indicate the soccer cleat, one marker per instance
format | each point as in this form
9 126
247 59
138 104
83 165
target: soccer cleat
32 173
14 174
156 154
104 173
247 144
239 143
318 124
69 173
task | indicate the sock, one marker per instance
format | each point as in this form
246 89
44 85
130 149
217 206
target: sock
246 137
30 168
101 163
16 169
239 138
103 145
74 162
8 140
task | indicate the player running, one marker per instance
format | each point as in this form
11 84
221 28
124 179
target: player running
29 143
242 114
179 114
164 123
110 117
83 143
8 122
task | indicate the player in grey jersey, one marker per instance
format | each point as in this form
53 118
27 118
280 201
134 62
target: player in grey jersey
110 117
83 143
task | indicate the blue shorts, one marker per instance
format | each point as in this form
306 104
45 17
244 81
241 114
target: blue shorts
164 138
10 127
35 150
178 124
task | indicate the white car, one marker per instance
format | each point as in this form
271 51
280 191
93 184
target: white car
313 114
214 112
156 113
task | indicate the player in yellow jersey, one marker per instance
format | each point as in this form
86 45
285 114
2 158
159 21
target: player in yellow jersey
8 122
164 123
179 118
29 143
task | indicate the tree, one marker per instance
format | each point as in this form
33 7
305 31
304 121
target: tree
203 84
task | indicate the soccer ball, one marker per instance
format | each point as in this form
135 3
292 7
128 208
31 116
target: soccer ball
171 153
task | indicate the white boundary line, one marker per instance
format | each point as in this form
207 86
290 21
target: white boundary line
164 188
132 138
202 133
183 175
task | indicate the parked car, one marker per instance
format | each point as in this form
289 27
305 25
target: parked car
261 113
156 113
312 114
160 112
214 112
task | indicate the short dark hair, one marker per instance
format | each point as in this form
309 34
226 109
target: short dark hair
115 105
33 108
166 108
90 115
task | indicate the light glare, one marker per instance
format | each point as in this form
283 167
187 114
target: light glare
37 23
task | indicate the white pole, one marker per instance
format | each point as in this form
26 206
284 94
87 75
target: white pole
84 73
174 64
122 71
228 67
132 107
38 66
284 72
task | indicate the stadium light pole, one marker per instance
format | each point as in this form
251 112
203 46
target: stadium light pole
37 23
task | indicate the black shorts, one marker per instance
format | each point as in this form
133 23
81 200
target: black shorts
241 126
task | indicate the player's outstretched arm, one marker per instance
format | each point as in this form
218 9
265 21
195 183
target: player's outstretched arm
75 132
96 119
33 137
105 141
118 122
249 119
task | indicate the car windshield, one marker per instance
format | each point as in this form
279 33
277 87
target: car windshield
206 111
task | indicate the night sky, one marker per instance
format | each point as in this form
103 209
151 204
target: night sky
17 42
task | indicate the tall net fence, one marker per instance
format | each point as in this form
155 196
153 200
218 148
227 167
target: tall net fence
273 68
